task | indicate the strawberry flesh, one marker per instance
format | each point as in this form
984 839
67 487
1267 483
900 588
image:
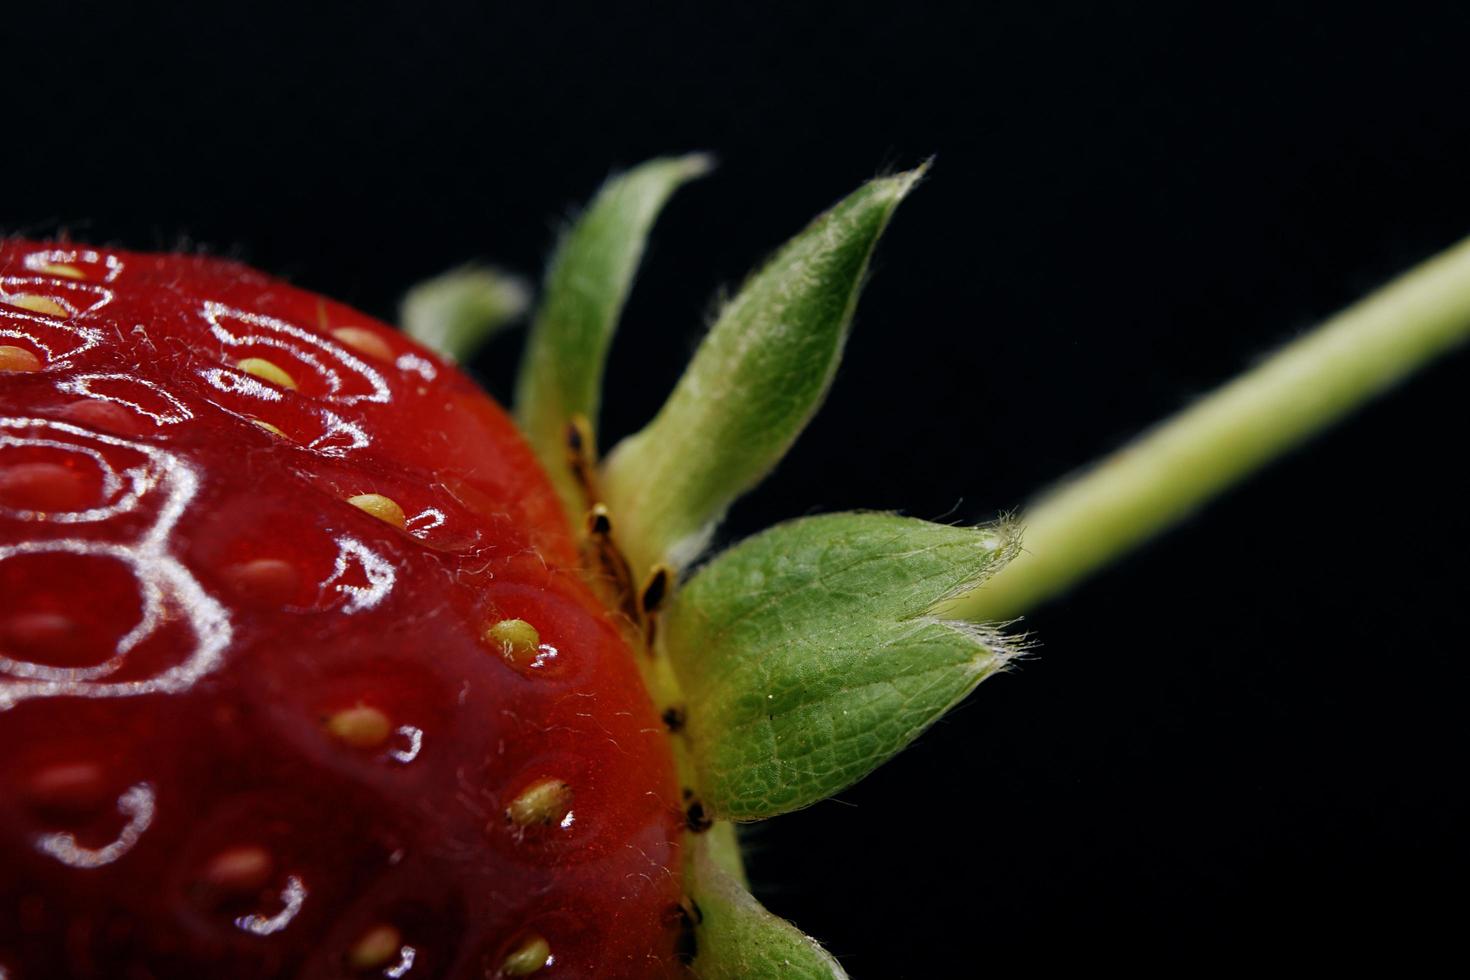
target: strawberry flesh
253 729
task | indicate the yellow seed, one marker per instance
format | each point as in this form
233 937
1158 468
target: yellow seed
530 956
58 269
36 304
269 428
267 371
361 727
543 802
18 359
385 509
374 948
516 639
364 342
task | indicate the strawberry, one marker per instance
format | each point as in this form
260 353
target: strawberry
313 664
297 672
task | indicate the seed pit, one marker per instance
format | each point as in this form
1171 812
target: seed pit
36 304
361 727
267 371
385 509
517 640
60 270
365 342
67 789
267 581
544 802
375 948
105 416
18 359
531 955
44 486
239 871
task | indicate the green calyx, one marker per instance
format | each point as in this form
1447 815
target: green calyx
805 657
802 658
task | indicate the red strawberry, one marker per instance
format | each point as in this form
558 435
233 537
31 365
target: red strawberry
297 673
300 673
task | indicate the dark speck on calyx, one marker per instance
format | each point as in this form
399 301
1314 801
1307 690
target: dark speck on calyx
656 590
696 819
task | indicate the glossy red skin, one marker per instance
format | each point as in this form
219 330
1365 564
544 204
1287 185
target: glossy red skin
215 717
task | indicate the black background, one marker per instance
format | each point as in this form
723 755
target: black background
1248 733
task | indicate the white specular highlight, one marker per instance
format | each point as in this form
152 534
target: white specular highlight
136 805
169 591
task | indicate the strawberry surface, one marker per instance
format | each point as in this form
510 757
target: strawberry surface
299 675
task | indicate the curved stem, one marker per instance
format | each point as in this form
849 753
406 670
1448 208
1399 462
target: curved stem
1121 501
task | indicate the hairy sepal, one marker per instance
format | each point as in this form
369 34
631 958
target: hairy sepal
456 312
586 286
808 655
737 939
752 386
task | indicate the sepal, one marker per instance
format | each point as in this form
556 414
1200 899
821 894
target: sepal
456 312
737 939
808 654
753 385
587 283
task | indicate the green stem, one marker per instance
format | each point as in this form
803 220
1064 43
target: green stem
1124 499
